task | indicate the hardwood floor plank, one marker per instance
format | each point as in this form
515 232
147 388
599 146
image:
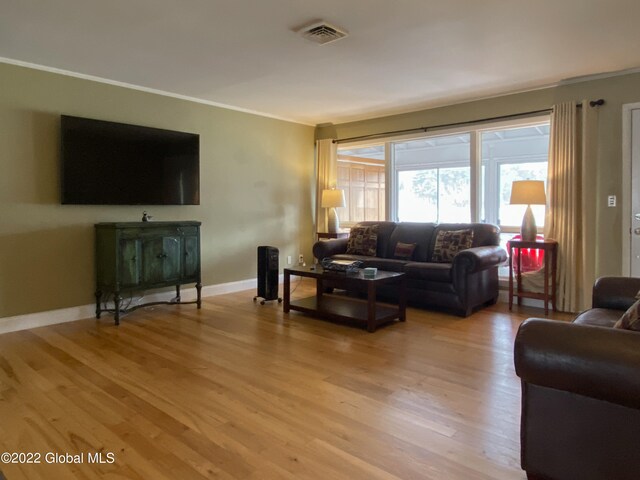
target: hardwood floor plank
238 390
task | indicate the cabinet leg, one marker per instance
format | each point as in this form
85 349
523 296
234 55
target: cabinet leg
177 293
98 298
199 294
117 301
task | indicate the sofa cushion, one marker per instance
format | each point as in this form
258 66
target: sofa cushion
435 272
598 317
404 251
363 240
412 232
631 318
449 243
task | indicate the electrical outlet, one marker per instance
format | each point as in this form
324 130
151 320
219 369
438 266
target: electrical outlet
288 259
611 201
300 259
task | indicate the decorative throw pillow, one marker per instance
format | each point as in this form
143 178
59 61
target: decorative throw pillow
363 240
449 243
404 251
631 318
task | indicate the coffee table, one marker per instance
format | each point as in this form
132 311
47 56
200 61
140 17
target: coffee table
334 307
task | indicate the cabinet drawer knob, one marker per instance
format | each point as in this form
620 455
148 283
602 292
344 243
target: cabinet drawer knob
162 255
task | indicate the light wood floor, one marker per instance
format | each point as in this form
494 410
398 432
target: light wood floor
241 391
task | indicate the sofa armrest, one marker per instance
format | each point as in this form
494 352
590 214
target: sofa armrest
617 293
480 258
597 362
328 248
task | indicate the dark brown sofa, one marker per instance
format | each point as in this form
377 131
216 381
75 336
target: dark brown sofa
469 282
581 391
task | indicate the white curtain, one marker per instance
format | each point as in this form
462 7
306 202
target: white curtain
326 176
571 207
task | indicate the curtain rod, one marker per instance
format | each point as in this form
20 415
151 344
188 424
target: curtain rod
592 103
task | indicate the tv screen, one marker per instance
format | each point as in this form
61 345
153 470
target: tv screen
107 163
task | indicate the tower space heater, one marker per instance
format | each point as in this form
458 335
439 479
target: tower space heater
268 265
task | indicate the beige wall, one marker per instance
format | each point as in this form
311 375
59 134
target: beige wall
256 187
605 173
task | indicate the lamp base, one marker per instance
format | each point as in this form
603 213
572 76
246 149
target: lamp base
333 222
528 230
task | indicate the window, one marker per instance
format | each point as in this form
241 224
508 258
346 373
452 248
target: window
432 178
462 175
361 174
441 178
508 154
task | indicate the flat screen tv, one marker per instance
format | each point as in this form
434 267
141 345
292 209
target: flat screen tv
107 163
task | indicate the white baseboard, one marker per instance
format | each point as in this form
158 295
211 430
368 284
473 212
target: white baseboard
51 317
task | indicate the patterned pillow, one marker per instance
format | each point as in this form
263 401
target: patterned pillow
449 243
363 241
404 251
631 318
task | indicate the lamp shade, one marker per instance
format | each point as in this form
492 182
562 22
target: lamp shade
332 199
528 192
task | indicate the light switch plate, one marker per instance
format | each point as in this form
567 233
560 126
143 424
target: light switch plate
611 201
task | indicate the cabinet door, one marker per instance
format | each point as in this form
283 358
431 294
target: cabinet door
161 260
129 262
191 257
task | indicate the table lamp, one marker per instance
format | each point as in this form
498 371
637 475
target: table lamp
528 192
333 199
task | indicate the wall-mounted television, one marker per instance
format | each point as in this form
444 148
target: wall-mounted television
108 163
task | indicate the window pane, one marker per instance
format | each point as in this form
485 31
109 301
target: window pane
361 175
511 215
508 154
417 196
455 190
433 179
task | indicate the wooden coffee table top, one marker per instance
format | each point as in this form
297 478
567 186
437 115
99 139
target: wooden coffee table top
318 272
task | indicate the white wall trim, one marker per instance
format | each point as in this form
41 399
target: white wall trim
625 201
82 312
155 91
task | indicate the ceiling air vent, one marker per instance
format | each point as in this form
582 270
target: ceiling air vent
322 33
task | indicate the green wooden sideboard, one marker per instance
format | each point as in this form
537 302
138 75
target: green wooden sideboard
135 256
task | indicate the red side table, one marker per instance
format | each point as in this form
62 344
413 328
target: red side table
550 248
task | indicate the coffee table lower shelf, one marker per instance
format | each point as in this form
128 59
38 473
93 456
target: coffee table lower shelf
346 309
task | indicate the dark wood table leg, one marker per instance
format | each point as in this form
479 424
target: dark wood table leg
177 293
519 275
319 292
287 292
402 304
98 299
546 282
510 278
199 295
371 307
117 301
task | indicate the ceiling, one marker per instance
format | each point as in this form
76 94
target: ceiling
400 55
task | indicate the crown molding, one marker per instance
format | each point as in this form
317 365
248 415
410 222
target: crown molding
155 91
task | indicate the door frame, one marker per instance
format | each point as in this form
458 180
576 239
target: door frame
627 110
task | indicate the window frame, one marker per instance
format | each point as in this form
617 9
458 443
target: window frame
475 146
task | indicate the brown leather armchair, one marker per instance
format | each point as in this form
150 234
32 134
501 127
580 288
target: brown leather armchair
581 391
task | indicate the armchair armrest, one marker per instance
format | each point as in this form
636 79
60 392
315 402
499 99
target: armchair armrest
597 362
328 248
480 258
617 293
